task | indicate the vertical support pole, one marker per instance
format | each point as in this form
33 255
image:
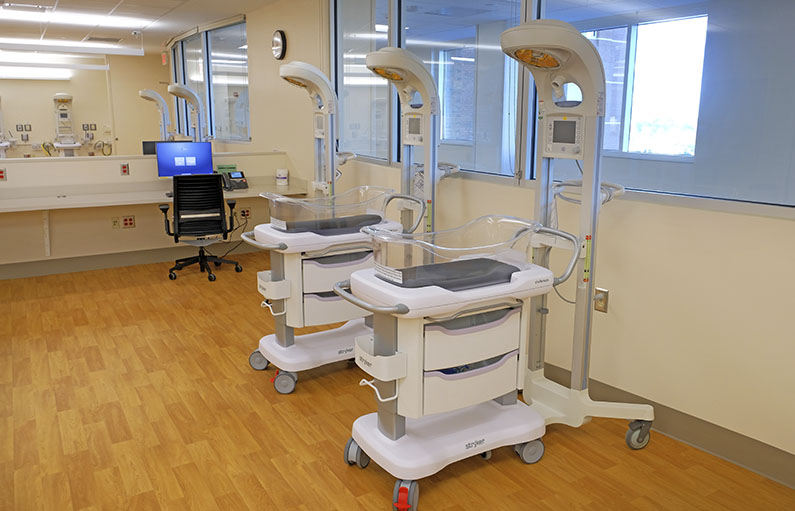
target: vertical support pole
319 174
538 304
330 150
431 169
285 335
406 184
385 340
589 219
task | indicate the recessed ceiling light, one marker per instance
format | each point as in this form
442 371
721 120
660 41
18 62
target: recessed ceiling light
71 18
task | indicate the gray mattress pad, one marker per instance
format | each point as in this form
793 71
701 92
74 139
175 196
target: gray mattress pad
458 275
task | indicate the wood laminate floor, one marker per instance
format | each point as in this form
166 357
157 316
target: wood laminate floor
120 389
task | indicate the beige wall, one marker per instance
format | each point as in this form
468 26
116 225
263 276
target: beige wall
131 118
700 302
281 114
135 119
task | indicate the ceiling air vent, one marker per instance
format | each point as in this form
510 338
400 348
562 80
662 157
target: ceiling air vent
95 39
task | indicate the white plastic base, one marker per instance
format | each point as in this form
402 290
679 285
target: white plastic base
561 405
435 441
314 350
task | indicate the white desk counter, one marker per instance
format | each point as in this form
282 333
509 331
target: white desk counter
93 196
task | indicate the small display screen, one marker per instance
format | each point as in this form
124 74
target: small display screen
64 115
414 126
236 175
564 132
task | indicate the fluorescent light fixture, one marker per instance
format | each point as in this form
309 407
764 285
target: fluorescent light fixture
463 59
49 60
244 47
363 80
33 73
239 63
381 28
60 17
58 45
238 56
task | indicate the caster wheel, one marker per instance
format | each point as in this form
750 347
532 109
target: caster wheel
284 382
211 277
172 275
638 434
354 455
257 361
406 495
238 268
217 264
530 452
486 455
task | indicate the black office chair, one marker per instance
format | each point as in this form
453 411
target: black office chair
199 213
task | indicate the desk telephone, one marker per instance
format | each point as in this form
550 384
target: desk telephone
234 180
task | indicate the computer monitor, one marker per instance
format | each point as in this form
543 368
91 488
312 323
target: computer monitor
179 158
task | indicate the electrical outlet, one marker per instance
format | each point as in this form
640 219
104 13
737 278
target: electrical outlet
128 222
115 222
245 212
2 174
25 137
36 146
600 299
125 169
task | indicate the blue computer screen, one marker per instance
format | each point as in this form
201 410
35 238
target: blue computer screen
177 158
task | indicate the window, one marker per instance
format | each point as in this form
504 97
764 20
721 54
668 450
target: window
459 41
652 108
665 99
363 97
457 92
697 92
220 81
229 78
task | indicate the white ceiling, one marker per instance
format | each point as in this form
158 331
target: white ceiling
166 18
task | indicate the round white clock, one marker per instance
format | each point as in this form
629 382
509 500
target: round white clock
279 45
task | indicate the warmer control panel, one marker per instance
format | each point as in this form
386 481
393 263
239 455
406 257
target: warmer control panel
562 135
412 129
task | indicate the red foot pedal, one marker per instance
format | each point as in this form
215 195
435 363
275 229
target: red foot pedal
403 499
274 376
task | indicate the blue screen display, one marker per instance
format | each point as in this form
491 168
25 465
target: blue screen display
179 158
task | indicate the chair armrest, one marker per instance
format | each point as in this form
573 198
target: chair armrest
231 225
164 209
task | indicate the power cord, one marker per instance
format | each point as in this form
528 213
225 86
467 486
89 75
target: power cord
561 296
232 232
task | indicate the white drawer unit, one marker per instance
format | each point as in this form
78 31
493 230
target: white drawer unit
471 338
445 392
321 273
325 308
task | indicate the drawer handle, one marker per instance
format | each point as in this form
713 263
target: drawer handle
365 383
